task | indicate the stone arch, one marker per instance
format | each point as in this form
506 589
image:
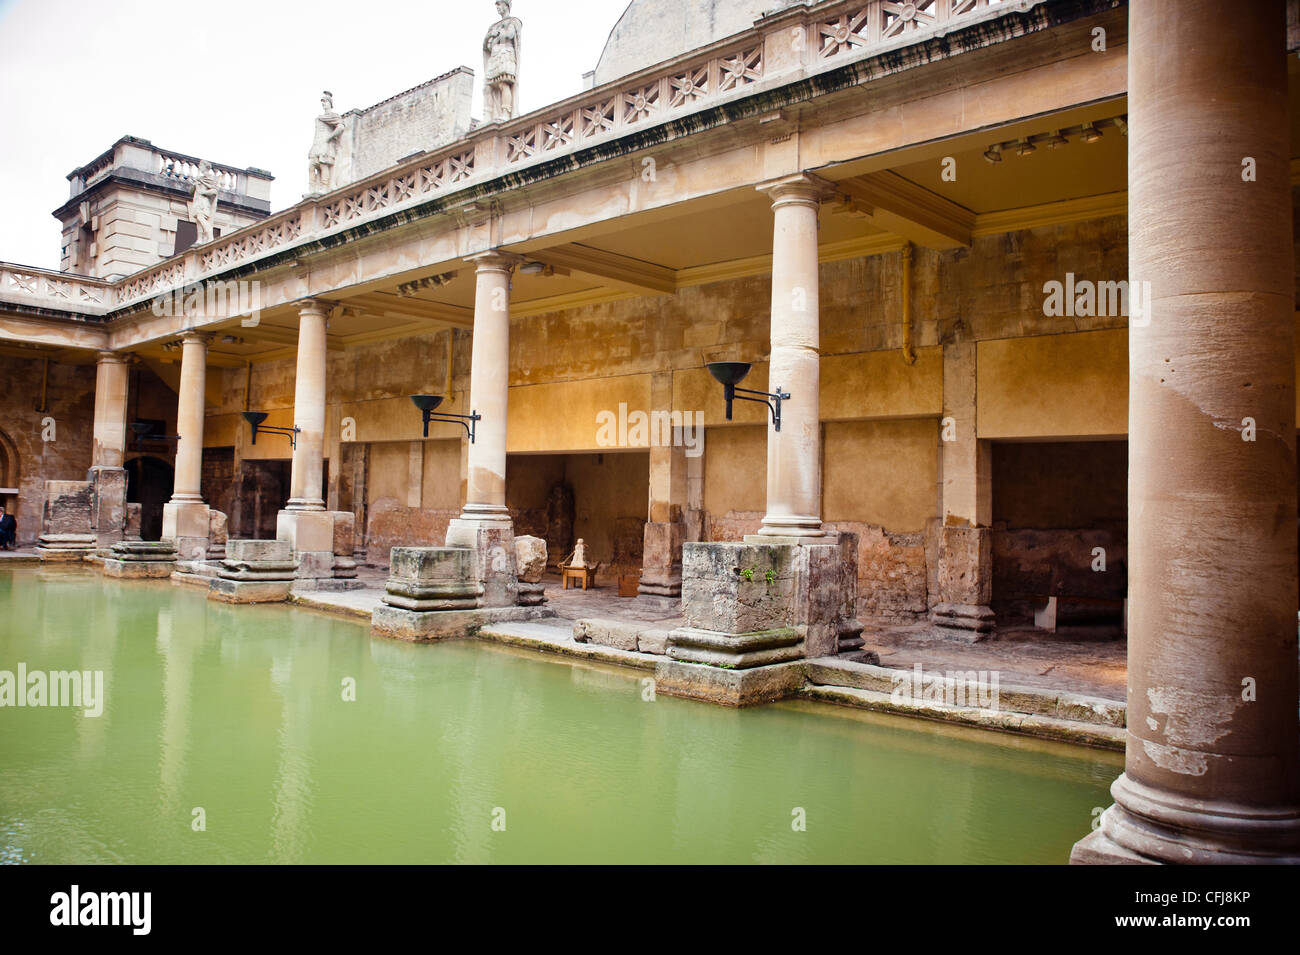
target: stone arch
9 471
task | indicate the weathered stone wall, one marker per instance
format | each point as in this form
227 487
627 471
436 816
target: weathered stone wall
70 402
426 117
1054 504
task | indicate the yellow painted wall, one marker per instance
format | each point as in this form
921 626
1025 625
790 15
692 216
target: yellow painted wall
735 469
441 474
561 416
1054 386
881 472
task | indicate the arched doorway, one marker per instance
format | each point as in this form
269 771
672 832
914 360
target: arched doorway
8 473
149 484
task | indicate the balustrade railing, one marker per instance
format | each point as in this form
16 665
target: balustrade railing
822 36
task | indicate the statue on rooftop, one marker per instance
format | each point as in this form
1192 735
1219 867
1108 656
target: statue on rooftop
501 66
324 147
203 201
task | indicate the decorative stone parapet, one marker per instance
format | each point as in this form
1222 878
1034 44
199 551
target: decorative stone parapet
137 560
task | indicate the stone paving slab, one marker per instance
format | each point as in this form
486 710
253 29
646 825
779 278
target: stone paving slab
1070 731
833 671
1023 656
351 603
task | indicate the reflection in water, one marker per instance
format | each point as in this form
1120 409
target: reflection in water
240 711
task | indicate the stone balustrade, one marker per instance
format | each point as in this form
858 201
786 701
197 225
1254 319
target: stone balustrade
787 45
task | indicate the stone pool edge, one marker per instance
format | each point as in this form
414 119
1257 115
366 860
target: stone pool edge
1044 714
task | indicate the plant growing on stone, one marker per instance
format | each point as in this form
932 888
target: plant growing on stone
748 573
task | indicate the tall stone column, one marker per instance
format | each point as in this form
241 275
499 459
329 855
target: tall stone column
107 475
185 517
484 523
661 556
305 523
964 577
111 387
794 452
308 473
1211 772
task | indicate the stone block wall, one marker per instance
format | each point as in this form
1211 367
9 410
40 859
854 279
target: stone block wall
30 461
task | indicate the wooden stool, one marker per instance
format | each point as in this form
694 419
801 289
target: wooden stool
575 574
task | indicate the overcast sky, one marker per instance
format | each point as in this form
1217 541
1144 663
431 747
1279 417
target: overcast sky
237 81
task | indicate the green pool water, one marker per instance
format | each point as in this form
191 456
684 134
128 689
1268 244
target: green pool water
467 752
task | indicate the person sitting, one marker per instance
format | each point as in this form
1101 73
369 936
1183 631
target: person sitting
8 529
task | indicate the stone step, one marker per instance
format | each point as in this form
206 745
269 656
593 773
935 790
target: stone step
1073 707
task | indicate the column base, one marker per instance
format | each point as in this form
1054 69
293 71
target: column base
187 524
711 684
254 572
417 626
493 545
310 535
1164 828
965 622
141 560
65 547
661 562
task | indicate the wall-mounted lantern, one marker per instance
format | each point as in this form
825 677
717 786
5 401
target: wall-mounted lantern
147 431
729 374
428 405
255 418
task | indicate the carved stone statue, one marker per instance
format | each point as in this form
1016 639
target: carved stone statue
203 201
324 147
501 66
579 556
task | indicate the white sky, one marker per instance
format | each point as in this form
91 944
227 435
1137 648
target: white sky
236 81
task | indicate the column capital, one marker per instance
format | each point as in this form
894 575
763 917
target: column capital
801 187
495 260
314 306
112 358
195 337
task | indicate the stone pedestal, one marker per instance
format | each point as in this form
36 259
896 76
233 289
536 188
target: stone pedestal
493 546
67 529
310 536
965 584
254 572
218 524
530 566
141 560
188 525
108 505
661 562
345 523
752 611
433 593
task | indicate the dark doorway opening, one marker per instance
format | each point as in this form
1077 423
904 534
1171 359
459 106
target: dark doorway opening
149 483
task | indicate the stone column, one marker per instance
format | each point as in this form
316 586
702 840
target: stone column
661 557
305 523
484 523
794 452
307 476
1211 772
107 476
185 517
964 577
111 387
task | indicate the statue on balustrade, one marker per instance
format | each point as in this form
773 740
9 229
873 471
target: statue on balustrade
203 201
324 147
501 66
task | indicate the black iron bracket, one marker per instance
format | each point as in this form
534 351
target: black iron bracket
771 399
467 421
